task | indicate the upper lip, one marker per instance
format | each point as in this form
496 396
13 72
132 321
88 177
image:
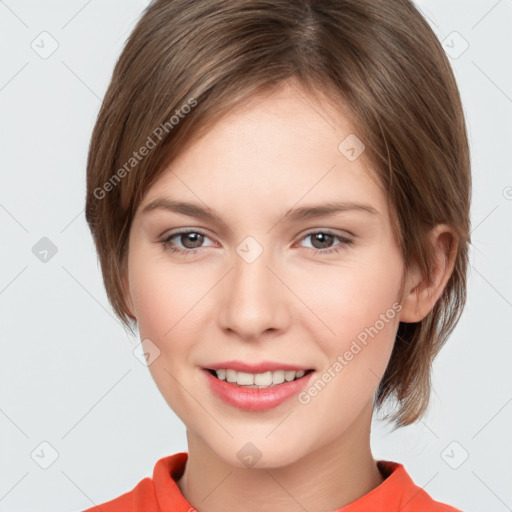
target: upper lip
264 366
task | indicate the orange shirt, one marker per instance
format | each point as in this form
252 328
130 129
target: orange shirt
161 493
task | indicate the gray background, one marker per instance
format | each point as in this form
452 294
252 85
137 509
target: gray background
75 399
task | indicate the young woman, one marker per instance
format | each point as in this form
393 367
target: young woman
279 194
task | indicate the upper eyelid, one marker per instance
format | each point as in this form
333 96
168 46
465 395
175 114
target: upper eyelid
185 231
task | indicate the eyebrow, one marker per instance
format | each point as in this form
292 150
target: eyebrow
292 215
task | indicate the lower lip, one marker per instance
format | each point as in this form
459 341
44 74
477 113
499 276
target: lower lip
254 399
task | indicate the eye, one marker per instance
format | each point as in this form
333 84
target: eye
191 241
321 239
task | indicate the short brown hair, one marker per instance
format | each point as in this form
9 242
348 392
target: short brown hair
380 59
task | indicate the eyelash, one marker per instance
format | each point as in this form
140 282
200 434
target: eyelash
186 252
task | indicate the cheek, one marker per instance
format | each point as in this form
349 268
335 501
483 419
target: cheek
170 303
161 296
355 295
358 304
165 302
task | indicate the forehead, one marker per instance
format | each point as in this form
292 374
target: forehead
274 150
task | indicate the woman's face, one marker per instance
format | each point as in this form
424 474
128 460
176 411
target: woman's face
259 283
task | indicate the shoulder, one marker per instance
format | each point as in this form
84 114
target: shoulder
153 494
412 497
141 498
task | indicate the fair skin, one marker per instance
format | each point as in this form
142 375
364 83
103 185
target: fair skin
294 303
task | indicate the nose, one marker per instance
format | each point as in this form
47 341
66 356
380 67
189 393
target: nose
254 300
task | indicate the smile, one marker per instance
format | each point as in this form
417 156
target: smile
244 391
258 380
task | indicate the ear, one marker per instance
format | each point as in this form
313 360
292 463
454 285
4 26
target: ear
419 295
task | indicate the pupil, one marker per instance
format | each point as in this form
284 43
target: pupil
192 235
323 235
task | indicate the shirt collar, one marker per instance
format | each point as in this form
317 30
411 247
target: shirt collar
395 492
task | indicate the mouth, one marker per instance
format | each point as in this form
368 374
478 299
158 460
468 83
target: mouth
263 380
257 392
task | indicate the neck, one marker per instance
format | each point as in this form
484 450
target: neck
327 478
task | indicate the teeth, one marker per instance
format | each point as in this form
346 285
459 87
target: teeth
243 379
289 376
258 380
231 375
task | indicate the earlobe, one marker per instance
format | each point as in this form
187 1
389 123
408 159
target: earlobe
410 297
420 295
